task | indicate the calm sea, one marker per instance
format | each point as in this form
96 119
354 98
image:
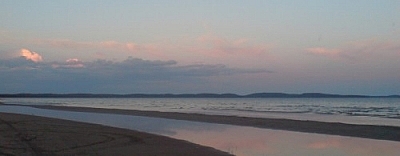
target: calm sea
356 110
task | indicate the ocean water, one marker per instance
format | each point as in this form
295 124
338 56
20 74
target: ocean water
376 111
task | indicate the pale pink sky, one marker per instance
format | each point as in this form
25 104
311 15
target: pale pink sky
178 47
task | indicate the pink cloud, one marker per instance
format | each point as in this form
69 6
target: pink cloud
324 51
204 49
99 55
69 63
64 43
30 55
218 46
367 49
212 39
74 63
109 45
108 49
129 46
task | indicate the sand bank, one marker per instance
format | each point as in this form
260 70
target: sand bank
32 135
353 130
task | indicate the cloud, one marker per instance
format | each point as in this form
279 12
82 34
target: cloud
324 51
360 50
204 44
206 48
19 63
30 55
100 49
69 63
221 46
215 70
158 70
109 45
129 75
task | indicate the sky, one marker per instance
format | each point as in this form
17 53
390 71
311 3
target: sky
207 46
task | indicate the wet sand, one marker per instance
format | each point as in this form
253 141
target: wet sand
391 133
32 135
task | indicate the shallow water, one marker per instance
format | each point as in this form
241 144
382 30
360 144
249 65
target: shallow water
238 140
374 111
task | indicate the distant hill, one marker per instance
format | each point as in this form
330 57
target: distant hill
201 95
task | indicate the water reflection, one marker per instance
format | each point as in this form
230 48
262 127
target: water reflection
249 141
241 141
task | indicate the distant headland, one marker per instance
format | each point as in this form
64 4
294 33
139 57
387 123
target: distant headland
200 95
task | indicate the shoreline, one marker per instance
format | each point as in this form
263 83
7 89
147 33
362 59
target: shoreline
390 133
34 135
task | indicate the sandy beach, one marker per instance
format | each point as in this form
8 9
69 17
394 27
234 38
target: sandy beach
391 133
32 135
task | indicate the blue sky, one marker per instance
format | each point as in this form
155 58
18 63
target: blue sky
343 47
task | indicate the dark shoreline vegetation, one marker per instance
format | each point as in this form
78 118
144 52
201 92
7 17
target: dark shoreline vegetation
201 95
